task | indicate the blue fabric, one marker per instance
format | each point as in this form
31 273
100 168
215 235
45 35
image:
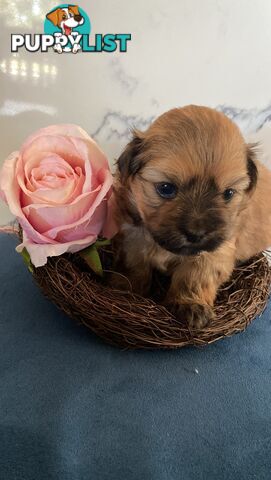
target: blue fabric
73 408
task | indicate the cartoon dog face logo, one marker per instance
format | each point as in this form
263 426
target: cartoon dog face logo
66 19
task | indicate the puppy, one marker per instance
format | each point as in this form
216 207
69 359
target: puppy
192 201
66 19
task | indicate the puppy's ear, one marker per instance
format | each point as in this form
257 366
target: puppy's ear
251 167
74 9
53 16
130 161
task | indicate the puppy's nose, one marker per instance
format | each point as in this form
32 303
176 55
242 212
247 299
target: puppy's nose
78 18
194 237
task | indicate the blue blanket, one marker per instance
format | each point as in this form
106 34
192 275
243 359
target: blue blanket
73 408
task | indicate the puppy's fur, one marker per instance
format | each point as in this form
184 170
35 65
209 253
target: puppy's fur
198 235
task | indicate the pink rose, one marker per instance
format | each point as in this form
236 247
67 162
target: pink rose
59 187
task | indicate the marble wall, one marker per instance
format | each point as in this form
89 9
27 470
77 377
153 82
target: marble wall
210 52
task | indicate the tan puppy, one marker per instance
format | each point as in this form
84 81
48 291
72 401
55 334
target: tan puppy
193 201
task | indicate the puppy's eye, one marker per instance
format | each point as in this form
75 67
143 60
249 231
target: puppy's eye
166 190
228 194
64 17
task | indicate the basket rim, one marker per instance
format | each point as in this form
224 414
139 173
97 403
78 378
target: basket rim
126 320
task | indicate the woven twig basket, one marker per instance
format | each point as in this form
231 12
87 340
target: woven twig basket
130 321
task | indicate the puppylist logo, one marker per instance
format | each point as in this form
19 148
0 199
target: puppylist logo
67 29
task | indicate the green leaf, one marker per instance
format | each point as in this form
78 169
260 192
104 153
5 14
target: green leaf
91 256
102 243
27 260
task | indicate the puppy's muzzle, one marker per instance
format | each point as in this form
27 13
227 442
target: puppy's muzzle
194 237
198 228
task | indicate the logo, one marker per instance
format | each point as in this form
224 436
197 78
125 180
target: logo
67 23
67 29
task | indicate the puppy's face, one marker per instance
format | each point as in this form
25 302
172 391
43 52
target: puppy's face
66 18
187 178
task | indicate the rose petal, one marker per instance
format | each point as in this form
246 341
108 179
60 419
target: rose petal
11 191
94 160
68 130
56 164
8 185
56 192
110 228
45 218
39 253
56 145
91 226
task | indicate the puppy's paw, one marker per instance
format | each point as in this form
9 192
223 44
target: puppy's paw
197 316
76 48
58 48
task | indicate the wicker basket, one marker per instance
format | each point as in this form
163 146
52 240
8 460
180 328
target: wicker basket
127 320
